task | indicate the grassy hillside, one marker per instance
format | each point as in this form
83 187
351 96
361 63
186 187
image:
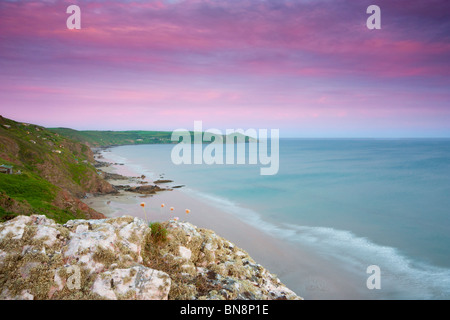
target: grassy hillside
114 138
29 194
51 173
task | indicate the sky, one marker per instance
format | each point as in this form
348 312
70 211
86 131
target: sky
308 68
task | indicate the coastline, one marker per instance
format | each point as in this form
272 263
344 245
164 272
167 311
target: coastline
304 272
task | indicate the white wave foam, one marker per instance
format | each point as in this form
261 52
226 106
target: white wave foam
402 277
413 278
133 169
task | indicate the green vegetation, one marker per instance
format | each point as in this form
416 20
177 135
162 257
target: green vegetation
159 232
49 172
27 187
77 172
114 138
30 194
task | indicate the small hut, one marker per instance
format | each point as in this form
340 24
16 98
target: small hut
6 169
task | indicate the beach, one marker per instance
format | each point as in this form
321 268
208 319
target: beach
306 273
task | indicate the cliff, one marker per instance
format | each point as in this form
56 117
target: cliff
122 258
50 173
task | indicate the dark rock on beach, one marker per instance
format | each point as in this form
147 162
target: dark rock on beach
162 181
114 176
146 189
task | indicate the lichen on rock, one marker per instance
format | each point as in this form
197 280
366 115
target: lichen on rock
116 258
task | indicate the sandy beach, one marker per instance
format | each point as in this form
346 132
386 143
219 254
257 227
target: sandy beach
309 275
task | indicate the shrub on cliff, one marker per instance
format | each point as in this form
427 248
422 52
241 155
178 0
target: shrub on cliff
159 232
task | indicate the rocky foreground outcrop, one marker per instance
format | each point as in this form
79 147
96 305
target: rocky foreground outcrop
122 258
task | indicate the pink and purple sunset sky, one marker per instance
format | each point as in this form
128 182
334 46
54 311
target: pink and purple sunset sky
309 68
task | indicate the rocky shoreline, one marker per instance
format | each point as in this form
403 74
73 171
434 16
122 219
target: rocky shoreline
122 258
137 184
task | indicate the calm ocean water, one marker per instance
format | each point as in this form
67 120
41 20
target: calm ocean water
359 202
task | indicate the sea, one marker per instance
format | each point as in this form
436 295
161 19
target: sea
358 202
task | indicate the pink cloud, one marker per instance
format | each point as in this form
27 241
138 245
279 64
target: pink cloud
284 63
